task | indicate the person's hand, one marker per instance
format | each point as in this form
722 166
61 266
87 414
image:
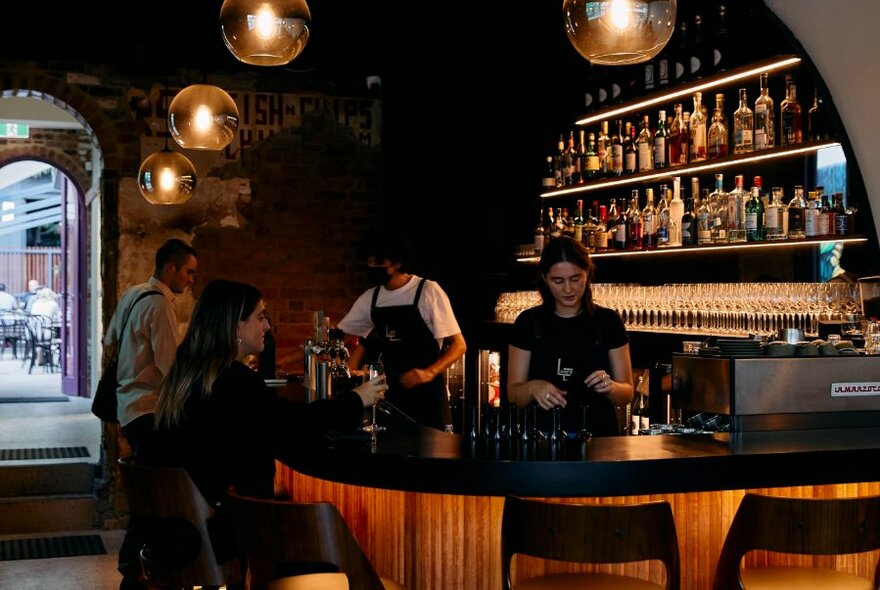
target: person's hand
548 395
372 391
600 381
415 377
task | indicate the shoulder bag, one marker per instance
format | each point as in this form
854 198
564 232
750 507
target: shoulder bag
104 402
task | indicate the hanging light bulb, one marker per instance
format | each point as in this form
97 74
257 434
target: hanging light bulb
619 32
265 32
167 178
203 117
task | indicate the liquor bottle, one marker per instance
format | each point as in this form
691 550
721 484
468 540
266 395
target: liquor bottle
698 131
579 222
811 215
736 202
580 159
796 207
716 136
591 225
774 216
591 167
618 224
601 237
639 418
561 162
765 125
662 219
677 141
571 160
754 222
791 131
743 126
698 50
634 223
567 223
720 40
649 79
841 219
548 181
660 137
649 221
664 67
705 218
695 192
686 137
682 66
617 142
557 226
818 125
629 150
540 233
688 220
676 211
718 203
824 212
645 146
603 150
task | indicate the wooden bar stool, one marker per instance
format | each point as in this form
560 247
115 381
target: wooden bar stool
300 546
588 533
801 526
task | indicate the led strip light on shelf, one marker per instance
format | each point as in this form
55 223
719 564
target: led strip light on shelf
785 62
713 248
706 166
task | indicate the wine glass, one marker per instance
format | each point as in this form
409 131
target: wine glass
371 371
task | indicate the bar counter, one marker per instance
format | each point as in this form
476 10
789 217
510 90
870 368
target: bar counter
426 505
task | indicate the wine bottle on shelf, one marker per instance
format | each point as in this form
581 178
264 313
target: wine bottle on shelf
765 125
841 218
548 181
660 137
591 159
682 65
718 203
676 212
796 207
662 218
754 222
629 150
649 80
698 131
618 222
716 135
664 67
601 237
791 130
571 160
743 125
634 223
645 146
677 140
736 203
640 418
649 221
539 234
774 215
579 222
698 50
688 220
603 151
720 39
617 143
818 125
579 156
560 162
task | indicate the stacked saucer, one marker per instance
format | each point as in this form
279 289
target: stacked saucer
739 348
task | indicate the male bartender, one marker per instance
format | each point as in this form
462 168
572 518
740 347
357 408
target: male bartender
407 322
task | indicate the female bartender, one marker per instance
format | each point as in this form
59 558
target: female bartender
568 351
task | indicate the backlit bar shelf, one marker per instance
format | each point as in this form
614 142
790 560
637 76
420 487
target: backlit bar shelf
690 169
750 71
678 250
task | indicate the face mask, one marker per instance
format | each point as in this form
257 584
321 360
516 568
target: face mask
378 275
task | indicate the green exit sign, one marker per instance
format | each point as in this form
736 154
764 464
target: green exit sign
15 130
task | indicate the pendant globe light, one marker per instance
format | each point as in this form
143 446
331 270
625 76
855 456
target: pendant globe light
619 32
203 117
167 177
265 32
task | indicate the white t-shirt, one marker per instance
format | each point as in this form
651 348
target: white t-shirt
434 307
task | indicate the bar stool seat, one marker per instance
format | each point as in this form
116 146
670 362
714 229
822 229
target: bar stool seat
801 578
593 581
332 581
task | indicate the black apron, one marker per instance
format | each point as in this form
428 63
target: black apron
566 361
403 339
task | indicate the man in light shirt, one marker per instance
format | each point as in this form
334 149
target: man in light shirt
7 300
146 346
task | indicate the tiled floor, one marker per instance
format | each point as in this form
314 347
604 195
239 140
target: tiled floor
52 424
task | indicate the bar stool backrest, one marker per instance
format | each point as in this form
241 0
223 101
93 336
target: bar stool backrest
803 526
589 533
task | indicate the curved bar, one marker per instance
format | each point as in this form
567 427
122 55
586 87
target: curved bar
426 506
426 460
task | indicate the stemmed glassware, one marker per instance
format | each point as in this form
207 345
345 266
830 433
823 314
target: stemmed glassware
371 371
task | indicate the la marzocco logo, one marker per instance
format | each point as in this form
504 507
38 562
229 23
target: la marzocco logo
855 389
